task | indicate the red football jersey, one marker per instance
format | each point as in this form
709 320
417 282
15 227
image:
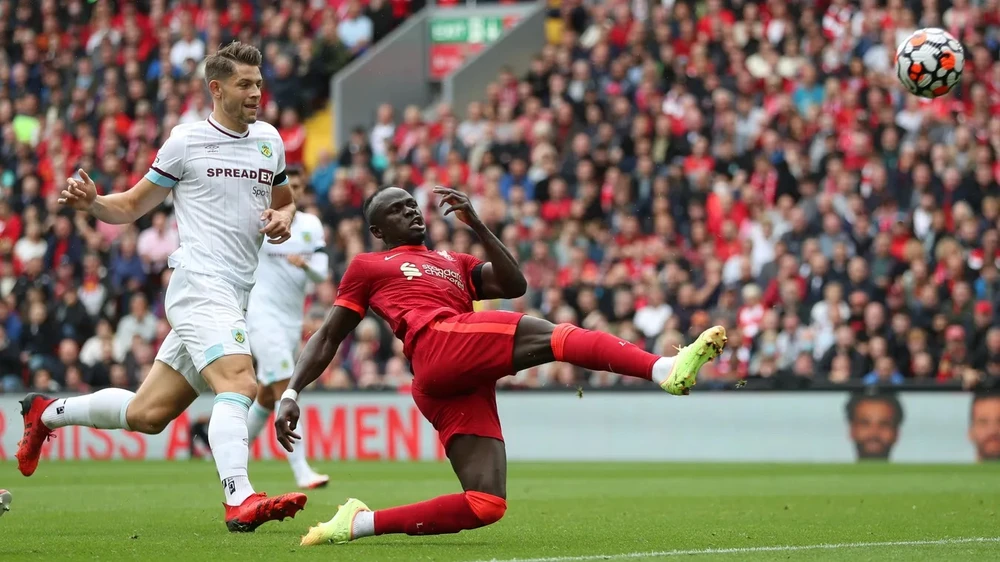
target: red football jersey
409 287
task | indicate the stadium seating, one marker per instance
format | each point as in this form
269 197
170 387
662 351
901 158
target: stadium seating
749 164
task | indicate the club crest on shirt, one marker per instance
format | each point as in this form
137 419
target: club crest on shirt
444 254
409 270
265 148
239 335
307 237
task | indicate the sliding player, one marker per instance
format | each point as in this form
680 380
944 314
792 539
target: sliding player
457 356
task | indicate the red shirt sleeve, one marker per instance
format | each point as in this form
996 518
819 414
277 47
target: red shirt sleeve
468 264
353 290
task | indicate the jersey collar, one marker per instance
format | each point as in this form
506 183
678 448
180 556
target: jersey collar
407 249
226 131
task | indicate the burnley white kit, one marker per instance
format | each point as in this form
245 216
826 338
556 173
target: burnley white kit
277 301
222 184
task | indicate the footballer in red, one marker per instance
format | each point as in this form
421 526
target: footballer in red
457 356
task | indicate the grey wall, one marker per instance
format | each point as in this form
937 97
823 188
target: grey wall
515 49
395 71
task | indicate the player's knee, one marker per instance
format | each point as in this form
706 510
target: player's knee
233 376
151 421
488 508
265 396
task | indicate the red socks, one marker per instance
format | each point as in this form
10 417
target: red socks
441 515
598 351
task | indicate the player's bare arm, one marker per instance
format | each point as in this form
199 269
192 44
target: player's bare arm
502 277
316 356
278 219
314 274
117 208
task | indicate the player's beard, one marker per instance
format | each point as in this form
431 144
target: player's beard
872 449
234 109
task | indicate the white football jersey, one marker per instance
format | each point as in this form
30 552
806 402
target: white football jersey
222 184
278 298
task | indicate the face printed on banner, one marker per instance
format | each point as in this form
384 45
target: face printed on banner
984 428
874 423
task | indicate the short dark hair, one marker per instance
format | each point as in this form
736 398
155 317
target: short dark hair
294 170
874 395
980 395
366 207
222 64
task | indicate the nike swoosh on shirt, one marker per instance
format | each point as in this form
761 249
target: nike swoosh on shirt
387 258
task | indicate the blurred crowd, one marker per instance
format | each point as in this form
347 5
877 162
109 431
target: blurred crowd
99 85
662 167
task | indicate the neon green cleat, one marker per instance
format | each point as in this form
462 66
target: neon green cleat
690 360
338 529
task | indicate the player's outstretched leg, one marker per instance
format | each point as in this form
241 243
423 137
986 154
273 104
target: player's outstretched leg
480 464
260 412
539 341
161 398
232 379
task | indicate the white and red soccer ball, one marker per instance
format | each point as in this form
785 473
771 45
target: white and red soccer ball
5 498
929 62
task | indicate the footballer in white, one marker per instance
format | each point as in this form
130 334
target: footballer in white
227 175
274 318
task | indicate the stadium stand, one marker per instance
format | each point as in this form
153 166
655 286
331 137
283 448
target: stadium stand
99 85
662 167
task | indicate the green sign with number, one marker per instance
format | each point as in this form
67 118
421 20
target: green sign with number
453 39
466 30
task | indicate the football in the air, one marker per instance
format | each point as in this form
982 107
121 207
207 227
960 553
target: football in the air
929 62
5 498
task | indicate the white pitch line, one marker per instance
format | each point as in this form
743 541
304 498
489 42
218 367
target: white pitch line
749 550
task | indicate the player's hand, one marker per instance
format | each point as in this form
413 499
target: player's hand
285 423
278 227
459 204
79 193
297 260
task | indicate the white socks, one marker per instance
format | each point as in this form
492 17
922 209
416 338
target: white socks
296 459
661 369
364 525
104 409
256 419
227 435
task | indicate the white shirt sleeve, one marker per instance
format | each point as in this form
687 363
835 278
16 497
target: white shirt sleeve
168 167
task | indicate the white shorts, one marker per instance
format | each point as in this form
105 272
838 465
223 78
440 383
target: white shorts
275 348
208 320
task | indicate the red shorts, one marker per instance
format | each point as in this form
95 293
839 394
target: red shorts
456 363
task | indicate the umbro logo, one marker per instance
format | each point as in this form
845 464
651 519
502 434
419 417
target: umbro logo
212 149
409 270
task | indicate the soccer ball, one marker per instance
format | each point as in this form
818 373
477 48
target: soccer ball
5 498
929 62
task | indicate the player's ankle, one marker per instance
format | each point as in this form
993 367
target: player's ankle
363 525
661 369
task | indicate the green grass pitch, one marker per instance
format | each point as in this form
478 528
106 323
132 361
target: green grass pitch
565 512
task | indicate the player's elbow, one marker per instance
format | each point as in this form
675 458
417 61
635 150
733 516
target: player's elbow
516 288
